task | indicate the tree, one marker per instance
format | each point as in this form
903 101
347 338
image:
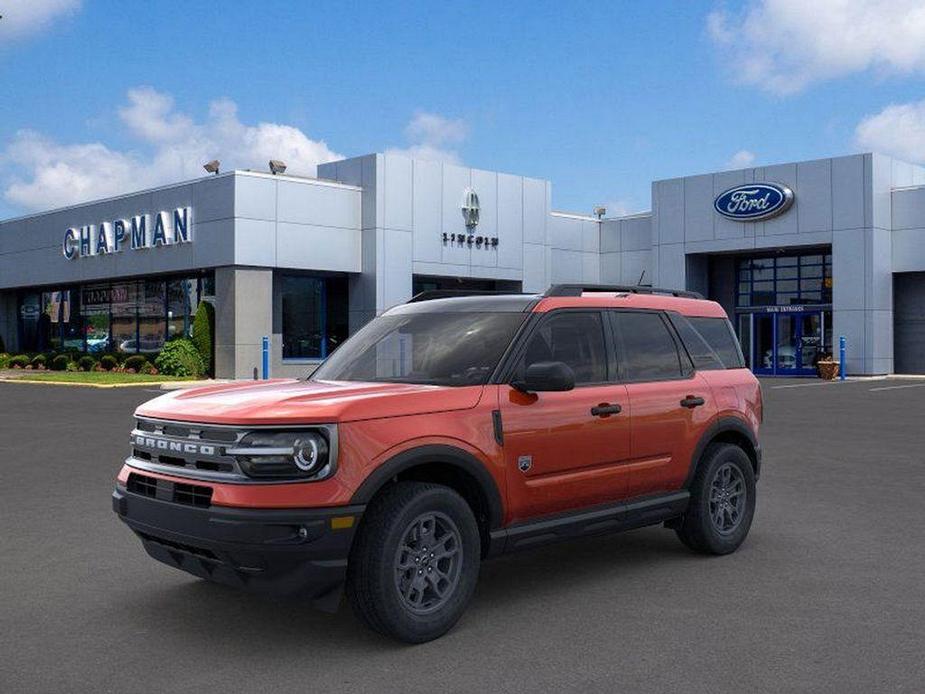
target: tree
203 330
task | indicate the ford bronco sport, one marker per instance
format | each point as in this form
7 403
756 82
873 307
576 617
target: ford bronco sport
446 431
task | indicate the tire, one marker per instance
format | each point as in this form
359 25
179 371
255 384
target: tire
717 519
396 587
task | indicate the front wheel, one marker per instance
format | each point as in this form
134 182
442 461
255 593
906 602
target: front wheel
415 562
722 501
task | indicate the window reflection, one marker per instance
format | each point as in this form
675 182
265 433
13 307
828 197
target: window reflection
130 316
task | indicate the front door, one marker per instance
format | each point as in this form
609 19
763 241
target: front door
785 343
562 450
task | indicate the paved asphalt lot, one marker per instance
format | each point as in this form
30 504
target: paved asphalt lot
827 594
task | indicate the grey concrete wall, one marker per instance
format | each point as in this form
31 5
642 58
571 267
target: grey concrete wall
243 315
409 204
626 249
908 224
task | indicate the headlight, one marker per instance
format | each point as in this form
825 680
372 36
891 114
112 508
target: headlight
284 454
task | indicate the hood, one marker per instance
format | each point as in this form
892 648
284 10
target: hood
289 401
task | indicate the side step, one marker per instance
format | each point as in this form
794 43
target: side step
601 519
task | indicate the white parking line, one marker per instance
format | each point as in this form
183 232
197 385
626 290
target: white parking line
807 385
909 385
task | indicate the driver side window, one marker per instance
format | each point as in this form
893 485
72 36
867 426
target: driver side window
572 337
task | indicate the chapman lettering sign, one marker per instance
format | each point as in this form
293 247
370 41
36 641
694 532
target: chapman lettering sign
754 202
141 231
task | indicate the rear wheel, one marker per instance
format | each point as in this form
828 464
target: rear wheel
415 562
722 501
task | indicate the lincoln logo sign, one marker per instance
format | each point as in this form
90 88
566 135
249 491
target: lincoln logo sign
754 202
141 231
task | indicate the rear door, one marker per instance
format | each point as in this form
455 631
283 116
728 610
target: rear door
670 402
566 450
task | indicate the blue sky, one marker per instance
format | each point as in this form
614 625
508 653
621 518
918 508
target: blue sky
98 97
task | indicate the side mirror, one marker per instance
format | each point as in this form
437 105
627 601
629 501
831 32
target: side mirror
547 376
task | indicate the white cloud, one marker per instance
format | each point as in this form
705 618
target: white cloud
898 130
23 17
782 46
41 173
433 137
741 159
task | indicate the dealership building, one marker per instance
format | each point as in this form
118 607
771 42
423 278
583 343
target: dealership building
798 254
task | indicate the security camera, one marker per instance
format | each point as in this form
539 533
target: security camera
277 166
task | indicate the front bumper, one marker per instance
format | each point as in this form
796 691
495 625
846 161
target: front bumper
284 551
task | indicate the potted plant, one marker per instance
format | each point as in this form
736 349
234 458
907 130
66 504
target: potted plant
827 367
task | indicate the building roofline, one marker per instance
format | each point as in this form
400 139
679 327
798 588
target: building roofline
179 184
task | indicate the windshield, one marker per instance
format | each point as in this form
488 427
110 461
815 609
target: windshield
447 349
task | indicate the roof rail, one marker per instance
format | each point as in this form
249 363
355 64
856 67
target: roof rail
579 289
431 294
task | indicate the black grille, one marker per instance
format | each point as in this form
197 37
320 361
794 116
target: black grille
142 484
179 493
192 494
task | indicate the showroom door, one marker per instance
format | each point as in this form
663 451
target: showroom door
786 344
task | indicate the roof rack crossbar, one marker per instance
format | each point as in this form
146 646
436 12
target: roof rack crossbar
431 294
579 289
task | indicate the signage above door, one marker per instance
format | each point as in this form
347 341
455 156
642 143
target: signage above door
754 202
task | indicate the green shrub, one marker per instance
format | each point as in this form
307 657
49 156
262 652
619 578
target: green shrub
136 362
72 366
109 362
20 361
203 330
4 360
87 363
38 361
179 358
60 363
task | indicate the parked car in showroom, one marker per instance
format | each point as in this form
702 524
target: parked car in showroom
446 431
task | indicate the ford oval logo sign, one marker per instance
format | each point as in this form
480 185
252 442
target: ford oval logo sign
754 202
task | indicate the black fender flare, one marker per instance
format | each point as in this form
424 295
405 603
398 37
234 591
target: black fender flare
435 453
722 426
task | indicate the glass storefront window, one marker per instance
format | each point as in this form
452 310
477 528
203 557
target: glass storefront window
303 317
127 316
94 309
71 324
784 280
50 321
123 309
181 305
152 323
314 315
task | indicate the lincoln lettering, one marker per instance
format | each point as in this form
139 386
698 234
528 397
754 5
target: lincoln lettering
164 228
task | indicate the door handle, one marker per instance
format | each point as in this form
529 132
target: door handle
692 401
605 409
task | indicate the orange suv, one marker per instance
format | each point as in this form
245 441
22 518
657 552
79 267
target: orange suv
447 430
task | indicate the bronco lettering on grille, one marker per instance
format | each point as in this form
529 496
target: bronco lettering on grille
174 446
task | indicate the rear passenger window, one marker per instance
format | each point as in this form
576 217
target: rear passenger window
717 332
574 338
647 348
701 353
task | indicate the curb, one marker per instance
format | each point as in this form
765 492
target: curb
157 384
